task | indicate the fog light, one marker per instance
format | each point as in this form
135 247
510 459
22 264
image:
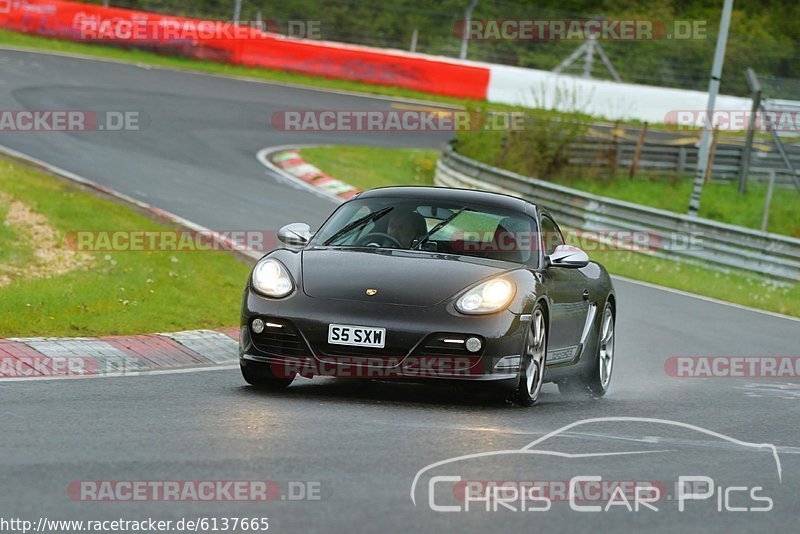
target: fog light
258 326
473 344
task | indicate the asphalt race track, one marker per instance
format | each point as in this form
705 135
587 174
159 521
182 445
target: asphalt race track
363 443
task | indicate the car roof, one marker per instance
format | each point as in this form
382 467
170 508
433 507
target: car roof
449 194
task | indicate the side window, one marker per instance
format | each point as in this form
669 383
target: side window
551 235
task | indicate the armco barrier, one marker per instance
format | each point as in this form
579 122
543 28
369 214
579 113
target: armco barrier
722 245
421 72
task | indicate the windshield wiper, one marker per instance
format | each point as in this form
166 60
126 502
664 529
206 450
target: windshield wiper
438 227
374 216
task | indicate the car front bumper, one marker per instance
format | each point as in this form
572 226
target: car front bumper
421 342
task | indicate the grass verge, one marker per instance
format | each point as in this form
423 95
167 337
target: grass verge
368 167
375 167
123 292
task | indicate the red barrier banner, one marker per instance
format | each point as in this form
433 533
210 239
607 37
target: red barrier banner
243 45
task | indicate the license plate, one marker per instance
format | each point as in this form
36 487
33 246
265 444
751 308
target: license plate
356 336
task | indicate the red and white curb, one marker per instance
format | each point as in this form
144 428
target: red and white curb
44 358
289 162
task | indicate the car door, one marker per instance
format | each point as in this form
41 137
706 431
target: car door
568 291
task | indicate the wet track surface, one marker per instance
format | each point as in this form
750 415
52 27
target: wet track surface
362 442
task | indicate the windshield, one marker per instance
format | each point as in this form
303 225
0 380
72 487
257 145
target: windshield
469 230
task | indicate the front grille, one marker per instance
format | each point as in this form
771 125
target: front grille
371 354
283 341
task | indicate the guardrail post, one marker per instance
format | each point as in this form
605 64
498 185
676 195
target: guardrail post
638 152
682 153
237 10
744 166
767 201
712 152
614 156
465 34
414 36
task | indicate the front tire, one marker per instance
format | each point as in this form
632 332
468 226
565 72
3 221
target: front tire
261 376
532 361
596 383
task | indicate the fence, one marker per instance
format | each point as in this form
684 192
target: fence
724 246
682 159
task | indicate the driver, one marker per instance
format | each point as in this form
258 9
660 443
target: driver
406 226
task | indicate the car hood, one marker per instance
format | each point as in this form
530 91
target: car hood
412 278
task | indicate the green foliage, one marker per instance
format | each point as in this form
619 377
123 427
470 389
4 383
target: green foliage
369 167
536 144
764 33
123 292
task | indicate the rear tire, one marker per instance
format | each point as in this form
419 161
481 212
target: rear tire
532 361
261 376
595 384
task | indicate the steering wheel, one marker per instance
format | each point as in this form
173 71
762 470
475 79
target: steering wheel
368 240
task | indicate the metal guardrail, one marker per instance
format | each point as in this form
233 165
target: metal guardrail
680 159
722 246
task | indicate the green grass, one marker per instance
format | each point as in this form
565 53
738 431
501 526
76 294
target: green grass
123 292
736 286
372 167
368 167
14 251
720 201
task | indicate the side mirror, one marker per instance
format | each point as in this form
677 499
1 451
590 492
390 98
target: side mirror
569 257
295 234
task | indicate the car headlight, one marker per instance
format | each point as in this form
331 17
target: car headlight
488 297
271 278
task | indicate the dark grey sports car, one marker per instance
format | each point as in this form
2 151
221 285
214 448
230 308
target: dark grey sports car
431 283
